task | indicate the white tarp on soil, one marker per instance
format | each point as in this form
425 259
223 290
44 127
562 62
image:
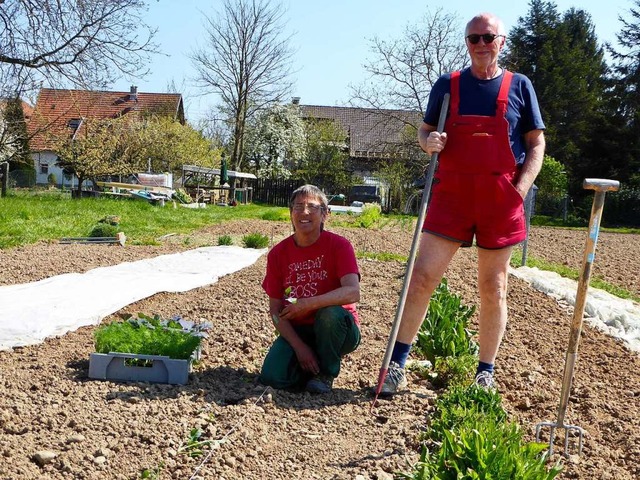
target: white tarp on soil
615 316
34 311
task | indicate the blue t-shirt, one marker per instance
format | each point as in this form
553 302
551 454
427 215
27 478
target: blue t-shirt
478 97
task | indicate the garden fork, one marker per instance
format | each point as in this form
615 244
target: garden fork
601 187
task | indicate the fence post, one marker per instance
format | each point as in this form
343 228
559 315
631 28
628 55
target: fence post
4 178
529 203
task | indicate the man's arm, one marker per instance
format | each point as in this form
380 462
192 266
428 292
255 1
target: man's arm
535 144
431 141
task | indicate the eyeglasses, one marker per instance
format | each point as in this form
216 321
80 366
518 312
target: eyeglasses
488 38
301 207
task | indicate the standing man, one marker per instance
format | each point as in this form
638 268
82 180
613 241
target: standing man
489 157
313 284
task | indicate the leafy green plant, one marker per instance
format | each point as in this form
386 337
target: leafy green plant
454 371
175 338
193 446
225 240
255 240
371 213
472 439
445 331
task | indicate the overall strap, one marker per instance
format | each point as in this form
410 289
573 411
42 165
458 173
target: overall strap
503 95
454 101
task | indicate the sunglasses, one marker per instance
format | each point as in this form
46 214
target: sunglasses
474 38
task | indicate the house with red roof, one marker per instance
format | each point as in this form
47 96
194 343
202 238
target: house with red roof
373 135
64 112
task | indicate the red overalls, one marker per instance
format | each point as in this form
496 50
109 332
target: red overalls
473 191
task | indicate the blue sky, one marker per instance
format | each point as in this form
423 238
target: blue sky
331 39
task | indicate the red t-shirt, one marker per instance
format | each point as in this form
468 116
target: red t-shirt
310 271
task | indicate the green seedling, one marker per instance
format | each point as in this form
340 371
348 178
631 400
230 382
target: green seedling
289 298
152 473
193 446
175 338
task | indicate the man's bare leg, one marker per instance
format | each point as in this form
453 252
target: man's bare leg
493 272
434 255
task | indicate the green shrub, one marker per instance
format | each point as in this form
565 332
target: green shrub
104 230
444 332
225 240
52 180
255 240
371 213
175 338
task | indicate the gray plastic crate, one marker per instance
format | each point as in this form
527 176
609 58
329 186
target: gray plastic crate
160 369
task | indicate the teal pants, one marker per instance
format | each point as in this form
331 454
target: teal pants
333 335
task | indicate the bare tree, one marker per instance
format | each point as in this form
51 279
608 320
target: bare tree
245 61
403 70
86 43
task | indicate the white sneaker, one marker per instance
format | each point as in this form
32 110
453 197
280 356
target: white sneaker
394 381
485 380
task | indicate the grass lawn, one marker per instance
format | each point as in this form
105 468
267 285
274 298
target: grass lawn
30 216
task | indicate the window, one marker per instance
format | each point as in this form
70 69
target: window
44 168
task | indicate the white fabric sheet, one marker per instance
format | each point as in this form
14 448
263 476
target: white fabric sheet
613 315
34 311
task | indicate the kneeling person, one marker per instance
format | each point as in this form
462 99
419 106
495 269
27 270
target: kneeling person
313 284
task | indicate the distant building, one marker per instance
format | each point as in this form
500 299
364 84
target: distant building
372 135
65 112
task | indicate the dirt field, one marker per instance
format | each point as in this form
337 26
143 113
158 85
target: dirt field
105 430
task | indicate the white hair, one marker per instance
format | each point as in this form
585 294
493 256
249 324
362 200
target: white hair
491 18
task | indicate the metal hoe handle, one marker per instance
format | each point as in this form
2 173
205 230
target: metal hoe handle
414 248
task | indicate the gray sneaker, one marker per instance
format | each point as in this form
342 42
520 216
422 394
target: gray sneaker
485 380
320 384
394 381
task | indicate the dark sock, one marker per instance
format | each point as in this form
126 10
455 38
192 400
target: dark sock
484 367
400 353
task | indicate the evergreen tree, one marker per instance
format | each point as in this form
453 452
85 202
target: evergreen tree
563 59
625 98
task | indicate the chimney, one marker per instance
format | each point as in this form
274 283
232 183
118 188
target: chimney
133 93
295 100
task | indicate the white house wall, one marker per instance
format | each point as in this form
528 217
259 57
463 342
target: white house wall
40 159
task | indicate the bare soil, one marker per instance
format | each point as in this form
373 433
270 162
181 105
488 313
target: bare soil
106 430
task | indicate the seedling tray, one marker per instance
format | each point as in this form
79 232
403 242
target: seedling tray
131 367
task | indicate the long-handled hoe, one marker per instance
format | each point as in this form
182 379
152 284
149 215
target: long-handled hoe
412 255
601 187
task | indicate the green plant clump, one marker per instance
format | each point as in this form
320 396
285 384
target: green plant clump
144 335
472 439
445 331
255 240
371 213
225 240
454 371
104 230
